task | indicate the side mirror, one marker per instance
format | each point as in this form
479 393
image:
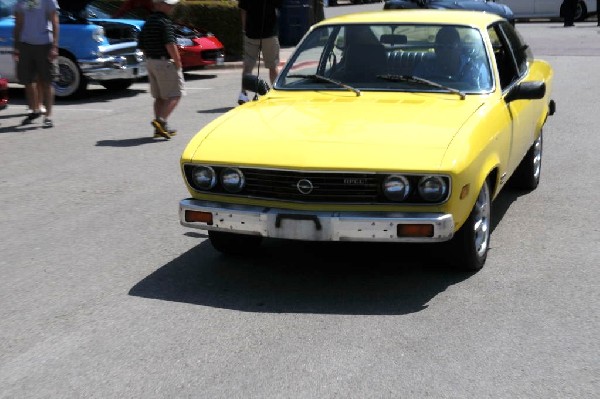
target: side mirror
255 84
526 91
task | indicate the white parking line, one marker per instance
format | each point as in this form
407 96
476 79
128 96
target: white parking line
83 109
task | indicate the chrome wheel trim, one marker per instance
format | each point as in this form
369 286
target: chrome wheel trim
537 158
481 221
68 79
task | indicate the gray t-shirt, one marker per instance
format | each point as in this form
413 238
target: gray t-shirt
37 29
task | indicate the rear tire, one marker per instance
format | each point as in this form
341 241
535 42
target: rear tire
472 241
527 175
581 12
234 244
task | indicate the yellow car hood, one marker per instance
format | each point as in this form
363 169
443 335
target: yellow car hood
337 132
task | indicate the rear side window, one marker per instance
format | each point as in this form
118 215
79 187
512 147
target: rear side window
521 51
511 54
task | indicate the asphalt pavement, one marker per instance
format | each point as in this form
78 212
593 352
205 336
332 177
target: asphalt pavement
105 295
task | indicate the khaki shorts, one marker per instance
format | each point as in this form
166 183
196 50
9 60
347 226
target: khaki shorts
270 51
166 81
34 64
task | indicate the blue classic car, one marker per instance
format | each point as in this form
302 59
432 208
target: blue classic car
90 49
475 5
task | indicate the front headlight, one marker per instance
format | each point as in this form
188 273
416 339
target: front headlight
184 42
432 188
232 180
204 177
98 34
396 187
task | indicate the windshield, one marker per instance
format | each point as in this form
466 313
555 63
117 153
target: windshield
372 56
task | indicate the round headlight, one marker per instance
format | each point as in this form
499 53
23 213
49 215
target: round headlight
232 180
184 42
432 188
396 188
204 177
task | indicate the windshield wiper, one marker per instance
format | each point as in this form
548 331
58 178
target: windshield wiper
321 78
415 79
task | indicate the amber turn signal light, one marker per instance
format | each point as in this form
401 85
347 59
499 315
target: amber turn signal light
415 230
197 216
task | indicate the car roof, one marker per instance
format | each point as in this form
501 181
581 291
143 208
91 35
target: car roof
477 19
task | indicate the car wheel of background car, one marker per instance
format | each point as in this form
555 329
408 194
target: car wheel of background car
70 81
527 175
117 84
234 244
580 11
472 241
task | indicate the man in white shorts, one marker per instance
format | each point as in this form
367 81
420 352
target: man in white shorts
157 40
261 35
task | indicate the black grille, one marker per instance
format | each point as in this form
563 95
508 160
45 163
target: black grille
131 59
126 51
212 55
326 187
314 187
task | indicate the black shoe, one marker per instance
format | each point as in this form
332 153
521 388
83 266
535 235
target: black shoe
160 129
158 133
48 123
30 118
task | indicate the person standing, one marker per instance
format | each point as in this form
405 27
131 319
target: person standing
36 52
569 8
158 42
261 35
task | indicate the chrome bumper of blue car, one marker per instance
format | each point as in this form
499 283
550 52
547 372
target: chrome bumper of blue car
316 226
110 68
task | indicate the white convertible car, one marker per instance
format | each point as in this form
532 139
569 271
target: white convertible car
529 9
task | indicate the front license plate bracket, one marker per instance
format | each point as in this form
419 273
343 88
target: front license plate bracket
313 218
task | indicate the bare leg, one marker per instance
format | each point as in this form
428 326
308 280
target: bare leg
39 88
273 72
48 96
31 94
164 107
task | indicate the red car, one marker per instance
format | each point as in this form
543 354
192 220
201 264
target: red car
3 93
198 48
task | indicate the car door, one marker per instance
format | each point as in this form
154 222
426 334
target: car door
512 60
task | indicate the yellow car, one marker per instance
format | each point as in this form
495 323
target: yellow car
384 127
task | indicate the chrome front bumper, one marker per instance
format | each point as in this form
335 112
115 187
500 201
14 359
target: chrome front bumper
315 226
110 68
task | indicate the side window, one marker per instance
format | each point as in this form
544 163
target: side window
507 69
521 52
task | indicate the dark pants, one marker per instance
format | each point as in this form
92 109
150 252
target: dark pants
569 8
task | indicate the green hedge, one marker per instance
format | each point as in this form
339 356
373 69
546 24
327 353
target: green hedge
221 17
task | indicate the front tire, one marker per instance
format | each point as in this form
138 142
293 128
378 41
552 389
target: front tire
70 81
472 241
234 244
117 84
527 175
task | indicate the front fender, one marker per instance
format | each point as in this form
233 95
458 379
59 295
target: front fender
479 150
